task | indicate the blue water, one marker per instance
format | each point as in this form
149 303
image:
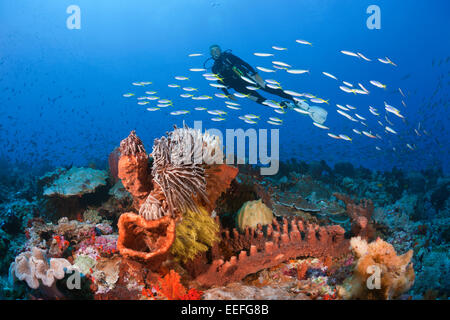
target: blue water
61 90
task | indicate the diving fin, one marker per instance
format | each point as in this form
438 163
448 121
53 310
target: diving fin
319 115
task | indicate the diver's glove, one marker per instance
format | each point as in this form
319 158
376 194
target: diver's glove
287 104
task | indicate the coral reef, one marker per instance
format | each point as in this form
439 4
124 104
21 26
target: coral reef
14 217
92 215
396 272
70 232
432 274
169 224
302 279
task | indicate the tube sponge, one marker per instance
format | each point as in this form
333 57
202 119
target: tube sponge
194 234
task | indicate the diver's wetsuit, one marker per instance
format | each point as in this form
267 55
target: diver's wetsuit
230 68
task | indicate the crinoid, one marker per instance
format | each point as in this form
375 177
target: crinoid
178 167
132 145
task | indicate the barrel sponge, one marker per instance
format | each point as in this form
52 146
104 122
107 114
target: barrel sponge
253 213
32 266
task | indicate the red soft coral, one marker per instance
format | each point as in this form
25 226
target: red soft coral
193 294
171 287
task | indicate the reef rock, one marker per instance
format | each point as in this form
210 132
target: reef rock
238 291
118 192
360 215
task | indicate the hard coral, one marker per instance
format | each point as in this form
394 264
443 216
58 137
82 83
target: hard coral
293 200
71 191
76 182
72 231
146 241
396 272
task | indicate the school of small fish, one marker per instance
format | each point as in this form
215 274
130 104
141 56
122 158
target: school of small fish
358 125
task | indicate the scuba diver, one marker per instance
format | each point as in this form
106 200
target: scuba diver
237 74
